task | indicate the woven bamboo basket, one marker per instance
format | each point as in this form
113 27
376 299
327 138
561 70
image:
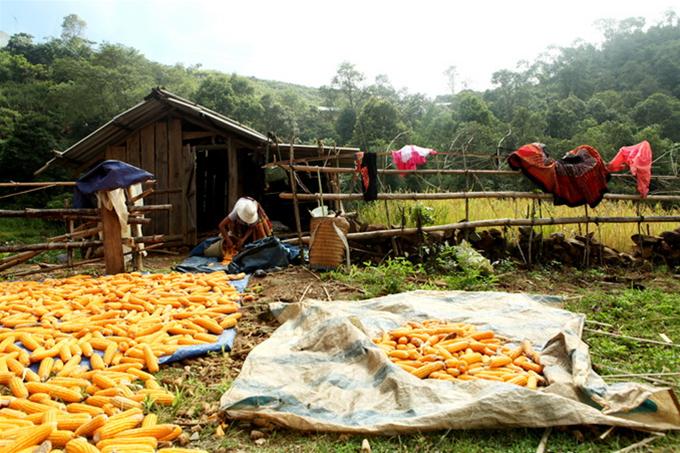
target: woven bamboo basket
327 248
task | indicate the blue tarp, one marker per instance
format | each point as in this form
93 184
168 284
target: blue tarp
265 253
108 175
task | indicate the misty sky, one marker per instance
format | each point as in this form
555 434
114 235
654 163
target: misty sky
412 42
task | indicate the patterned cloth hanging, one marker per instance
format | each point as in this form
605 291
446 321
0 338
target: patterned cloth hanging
579 178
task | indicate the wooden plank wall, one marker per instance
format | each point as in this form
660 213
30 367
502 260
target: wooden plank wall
160 133
232 176
188 194
173 164
115 153
157 148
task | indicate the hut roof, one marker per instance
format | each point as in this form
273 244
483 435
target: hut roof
157 104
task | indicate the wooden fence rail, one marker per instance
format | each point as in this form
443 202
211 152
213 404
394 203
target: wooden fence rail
463 195
500 223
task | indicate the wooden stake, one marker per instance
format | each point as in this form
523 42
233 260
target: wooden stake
113 247
544 441
293 188
642 443
626 337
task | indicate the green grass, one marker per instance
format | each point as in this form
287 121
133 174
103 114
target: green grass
633 313
30 231
440 271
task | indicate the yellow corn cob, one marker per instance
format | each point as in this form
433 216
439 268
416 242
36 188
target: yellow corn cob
91 426
29 341
30 437
150 358
132 448
72 422
140 374
425 370
69 381
126 414
150 420
98 401
45 368
110 351
50 417
97 362
75 408
124 403
113 427
80 445
63 393
27 406
31 376
209 324
60 437
148 441
18 388
103 381
158 431
174 434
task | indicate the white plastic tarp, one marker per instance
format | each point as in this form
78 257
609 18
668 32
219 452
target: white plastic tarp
320 371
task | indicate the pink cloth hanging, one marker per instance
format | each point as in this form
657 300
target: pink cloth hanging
639 159
411 156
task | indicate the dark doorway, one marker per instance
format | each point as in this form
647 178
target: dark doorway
211 188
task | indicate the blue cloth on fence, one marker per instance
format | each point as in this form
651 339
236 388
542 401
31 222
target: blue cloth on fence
108 175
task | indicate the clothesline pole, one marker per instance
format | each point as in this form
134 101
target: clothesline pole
507 222
586 250
463 195
293 188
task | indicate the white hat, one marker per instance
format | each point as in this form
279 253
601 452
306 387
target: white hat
246 210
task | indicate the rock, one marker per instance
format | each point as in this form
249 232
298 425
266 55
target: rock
183 439
195 436
645 240
260 441
365 446
259 273
255 434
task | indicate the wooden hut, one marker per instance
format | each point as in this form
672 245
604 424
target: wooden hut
202 161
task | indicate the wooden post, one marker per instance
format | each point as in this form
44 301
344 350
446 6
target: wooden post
69 252
232 185
113 246
586 254
293 189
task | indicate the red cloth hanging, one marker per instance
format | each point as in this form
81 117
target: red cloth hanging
579 178
639 159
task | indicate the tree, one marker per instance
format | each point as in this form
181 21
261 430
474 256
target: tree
72 27
29 146
451 74
380 122
347 80
470 107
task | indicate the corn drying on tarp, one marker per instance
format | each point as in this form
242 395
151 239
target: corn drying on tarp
224 342
320 371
